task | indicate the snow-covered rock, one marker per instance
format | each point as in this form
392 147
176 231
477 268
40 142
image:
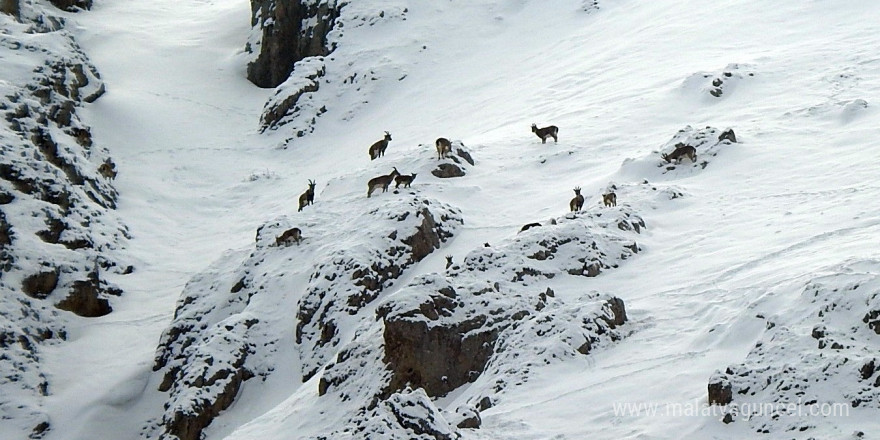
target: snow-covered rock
481 326
816 360
720 83
708 143
226 329
295 46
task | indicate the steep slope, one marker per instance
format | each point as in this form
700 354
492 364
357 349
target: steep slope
727 245
59 235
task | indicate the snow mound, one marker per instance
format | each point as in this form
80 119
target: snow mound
710 86
708 143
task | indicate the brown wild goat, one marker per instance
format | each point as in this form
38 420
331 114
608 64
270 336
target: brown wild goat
308 197
404 180
544 133
681 150
293 234
381 182
444 147
609 199
377 150
578 201
108 169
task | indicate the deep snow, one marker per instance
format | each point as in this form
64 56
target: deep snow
796 195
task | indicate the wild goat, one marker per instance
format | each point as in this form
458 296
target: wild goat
578 201
681 150
404 180
378 149
308 197
381 182
293 234
444 147
609 199
544 133
448 261
108 169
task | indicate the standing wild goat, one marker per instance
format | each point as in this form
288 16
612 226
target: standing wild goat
544 133
681 150
578 201
404 180
381 182
444 147
308 197
293 234
609 199
378 149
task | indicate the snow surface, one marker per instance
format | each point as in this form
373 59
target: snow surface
794 196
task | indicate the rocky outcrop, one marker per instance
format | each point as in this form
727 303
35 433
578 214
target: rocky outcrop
407 415
292 30
720 392
223 333
357 278
293 40
294 96
455 164
798 377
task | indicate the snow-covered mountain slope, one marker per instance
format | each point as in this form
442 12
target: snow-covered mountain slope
59 235
737 261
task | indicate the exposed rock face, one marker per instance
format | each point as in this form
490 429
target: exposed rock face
10 7
788 368
292 30
58 230
720 392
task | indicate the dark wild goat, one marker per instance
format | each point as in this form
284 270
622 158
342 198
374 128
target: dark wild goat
544 133
308 197
577 203
404 180
377 150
